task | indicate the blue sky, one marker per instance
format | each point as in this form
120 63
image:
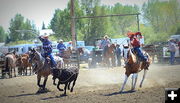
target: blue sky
40 11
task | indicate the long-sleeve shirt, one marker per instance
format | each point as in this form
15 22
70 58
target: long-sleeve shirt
47 45
61 46
135 42
118 51
172 46
104 43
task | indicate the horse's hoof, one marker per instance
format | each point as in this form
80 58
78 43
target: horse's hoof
62 95
71 90
120 91
41 86
61 90
133 90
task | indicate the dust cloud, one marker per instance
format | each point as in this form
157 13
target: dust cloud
157 75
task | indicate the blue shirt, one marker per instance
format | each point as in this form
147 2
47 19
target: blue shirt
118 51
61 46
104 43
47 45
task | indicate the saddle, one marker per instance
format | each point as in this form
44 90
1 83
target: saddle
139 61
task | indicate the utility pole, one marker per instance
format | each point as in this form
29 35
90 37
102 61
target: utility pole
75 54
138 22
73 25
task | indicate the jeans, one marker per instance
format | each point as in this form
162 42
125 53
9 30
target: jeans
118 60
140 54
172 58
53 62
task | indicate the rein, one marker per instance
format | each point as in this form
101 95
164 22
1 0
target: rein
39 64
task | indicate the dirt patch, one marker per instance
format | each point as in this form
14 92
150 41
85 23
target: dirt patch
98 85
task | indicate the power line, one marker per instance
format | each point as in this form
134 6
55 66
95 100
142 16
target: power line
86 17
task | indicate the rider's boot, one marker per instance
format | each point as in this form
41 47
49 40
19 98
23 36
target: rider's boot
147 63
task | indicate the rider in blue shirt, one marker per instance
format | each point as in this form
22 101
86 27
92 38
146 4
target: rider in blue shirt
47 47
61 47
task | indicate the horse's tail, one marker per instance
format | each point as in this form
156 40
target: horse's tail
6 64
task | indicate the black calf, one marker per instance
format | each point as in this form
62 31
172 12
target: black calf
65 76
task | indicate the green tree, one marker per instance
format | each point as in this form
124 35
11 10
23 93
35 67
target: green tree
60 24
43 26
2 34
18 24
28 25
162 16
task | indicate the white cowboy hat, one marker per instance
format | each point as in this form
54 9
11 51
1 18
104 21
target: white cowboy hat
45 35
106 36
60 40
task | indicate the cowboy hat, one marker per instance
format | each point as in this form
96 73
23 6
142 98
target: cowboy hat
45 35
60 40
106 36
70 42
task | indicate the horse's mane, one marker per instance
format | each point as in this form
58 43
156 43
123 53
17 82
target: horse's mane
132 57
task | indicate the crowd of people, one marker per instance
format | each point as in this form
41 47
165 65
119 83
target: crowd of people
133 44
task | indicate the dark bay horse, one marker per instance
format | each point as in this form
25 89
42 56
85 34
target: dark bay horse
134 67
109 55
42 66
23 64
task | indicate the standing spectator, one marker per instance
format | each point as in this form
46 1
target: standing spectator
172 49
61 47
179 47
118 55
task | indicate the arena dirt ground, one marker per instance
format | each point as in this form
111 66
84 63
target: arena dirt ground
98 85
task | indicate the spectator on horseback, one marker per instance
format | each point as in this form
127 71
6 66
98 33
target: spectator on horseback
69 45
104 44
135 44
61 47
47 47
